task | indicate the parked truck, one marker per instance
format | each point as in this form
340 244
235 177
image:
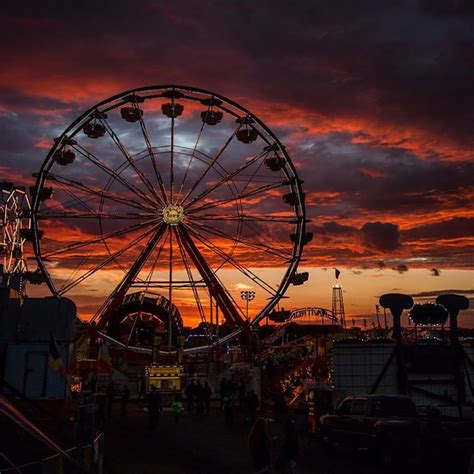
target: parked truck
391 428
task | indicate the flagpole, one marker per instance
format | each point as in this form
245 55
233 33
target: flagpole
96 384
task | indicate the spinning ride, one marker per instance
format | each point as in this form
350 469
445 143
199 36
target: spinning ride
172 189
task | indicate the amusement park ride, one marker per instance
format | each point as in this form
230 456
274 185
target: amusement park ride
128 193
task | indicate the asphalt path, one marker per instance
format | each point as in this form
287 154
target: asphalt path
201 444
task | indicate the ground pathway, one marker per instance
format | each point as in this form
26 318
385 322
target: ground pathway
201 444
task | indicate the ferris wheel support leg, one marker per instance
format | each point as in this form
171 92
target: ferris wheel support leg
113 302
228 309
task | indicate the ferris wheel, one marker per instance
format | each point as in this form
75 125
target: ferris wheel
174 190
14 229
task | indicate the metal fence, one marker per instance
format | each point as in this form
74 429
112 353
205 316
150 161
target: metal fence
89 458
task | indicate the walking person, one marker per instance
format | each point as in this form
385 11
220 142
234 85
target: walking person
154 407
241 391
223 387
177 407
286 463
228 406
190 393
207 394
142 389
259 442
252 404
125 397
199 397
312 411
100 402
301 416
110 394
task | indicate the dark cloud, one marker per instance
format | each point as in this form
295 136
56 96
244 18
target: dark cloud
449 229
374 101
384 237
434 293
333 228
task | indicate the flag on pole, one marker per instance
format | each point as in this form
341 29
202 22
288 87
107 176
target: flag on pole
55 360
82 347
80 352
337 273
103 359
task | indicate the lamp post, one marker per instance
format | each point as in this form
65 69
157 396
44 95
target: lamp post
247 296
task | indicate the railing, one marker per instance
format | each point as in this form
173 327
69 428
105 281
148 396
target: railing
90 459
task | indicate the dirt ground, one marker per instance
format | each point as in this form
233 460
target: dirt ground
201 444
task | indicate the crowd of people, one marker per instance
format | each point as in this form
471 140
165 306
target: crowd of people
232 397
198 396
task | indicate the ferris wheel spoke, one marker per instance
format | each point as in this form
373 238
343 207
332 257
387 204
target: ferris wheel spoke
155 263
243 217
191 279
129 158
229 177
237 197
248 243
112 173
228 258
92 215
181 187
152 157
210 165
84 243
170 266
97 192
172 158
109 259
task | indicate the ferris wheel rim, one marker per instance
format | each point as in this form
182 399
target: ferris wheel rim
295 184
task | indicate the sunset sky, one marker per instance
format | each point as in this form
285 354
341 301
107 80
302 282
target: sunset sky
373 100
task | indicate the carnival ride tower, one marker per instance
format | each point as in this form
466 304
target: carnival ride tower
14 226
338 301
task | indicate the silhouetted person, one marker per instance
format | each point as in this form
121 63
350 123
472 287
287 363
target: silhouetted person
207 393
301 415
259 447
233 388
241 394
177 407
154 407
190 395
280 406
223 387
252 405
312 411
142 388
199 397
110 392
125 397
228 405
100 402
286 462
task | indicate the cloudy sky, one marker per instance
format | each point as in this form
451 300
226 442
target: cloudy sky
373 100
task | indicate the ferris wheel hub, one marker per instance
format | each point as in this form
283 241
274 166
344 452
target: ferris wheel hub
173 214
